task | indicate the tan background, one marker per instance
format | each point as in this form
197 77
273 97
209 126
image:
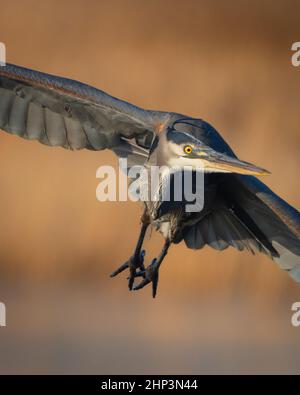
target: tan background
227 62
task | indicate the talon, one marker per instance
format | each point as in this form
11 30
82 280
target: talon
137 269
120 269
150 275
132 270
132 264
142 284
155 284
140 273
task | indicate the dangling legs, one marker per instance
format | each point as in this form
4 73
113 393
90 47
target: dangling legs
150 274
136 261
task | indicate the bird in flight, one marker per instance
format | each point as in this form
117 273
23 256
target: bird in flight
238 210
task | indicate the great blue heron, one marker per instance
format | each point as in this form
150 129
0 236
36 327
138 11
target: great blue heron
239 210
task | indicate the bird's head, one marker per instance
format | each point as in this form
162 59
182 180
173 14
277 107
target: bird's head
195 143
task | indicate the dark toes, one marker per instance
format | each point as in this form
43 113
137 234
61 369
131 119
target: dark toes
120 269
154 285
131 278
142 284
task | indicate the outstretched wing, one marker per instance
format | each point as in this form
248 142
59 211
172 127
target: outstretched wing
61 112
251 217
278 221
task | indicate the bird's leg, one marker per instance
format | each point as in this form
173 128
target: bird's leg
136 261
150 274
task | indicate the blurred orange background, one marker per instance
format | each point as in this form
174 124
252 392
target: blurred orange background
228 62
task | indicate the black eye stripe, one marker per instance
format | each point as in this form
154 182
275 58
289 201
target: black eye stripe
185 131
179 137
188 121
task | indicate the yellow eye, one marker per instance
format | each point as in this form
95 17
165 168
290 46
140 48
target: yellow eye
188 149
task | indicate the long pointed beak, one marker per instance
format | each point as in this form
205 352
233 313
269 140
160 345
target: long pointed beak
217 162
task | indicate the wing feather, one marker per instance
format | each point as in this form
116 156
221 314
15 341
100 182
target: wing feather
252 217
61 112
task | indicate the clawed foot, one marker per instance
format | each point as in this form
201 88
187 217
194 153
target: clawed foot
137 269
150 274
133 263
